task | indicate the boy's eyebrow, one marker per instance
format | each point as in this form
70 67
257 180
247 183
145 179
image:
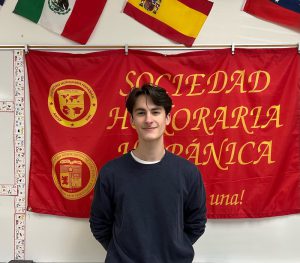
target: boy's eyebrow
139 109
143 109
157 108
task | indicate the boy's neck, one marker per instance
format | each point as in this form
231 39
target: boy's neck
149 151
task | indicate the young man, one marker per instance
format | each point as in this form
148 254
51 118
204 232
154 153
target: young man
149 204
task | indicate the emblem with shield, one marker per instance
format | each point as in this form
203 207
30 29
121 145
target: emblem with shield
71 102
151 5
70 174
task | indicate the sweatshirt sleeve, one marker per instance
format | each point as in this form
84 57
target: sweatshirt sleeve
102 211
195 208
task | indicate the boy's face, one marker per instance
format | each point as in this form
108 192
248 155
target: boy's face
149 119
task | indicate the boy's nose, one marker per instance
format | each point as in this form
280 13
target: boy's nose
149 117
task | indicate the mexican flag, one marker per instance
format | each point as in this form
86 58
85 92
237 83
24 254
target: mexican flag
73 19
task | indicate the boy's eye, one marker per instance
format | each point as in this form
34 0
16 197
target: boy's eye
140 113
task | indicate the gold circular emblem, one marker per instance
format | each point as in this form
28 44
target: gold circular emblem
74 174
72 103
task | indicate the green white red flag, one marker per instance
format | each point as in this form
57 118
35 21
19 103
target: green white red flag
73 19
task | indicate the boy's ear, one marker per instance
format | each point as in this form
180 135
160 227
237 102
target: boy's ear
132 121
168 118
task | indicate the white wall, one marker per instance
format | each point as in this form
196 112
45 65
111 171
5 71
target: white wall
60 239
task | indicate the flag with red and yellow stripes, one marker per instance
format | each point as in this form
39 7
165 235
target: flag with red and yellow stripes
178 20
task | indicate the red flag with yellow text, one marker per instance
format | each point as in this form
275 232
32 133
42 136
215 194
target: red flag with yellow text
237 117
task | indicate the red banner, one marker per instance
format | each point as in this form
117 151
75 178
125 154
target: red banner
237 117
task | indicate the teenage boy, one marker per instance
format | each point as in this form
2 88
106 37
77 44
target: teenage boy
149 204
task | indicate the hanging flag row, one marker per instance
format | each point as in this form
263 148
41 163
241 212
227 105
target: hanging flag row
177 20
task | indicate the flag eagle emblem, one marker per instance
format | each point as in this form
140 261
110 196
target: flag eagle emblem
60 7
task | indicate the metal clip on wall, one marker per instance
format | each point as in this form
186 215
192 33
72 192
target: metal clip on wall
26 49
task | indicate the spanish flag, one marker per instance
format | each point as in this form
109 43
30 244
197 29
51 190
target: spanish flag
178 20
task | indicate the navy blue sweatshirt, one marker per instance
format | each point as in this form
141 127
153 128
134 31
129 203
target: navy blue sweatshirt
148 213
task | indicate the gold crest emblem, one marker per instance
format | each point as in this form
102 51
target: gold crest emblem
151 5
74 174
70 173
72 102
